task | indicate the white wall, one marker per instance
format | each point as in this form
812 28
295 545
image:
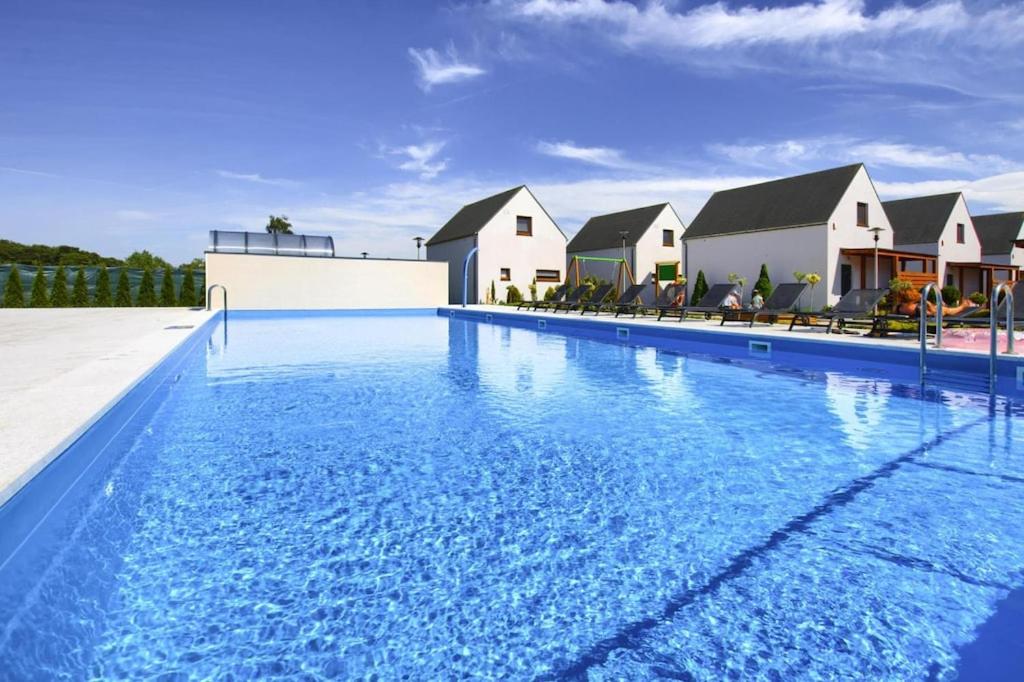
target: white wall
501 247
649 250
946 248
454 253
784 250
300 283
844 233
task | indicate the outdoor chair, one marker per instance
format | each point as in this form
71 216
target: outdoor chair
857 304
781 302
711 302
599 294
571 300
623 302
560 293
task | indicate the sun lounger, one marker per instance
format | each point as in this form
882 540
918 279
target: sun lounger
712 302
572 300
978 317
857 304
781 302
560 293
664 300
596 298
623 303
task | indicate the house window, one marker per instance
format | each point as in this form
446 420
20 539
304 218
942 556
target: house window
668 238
524 226
959 233
506 274
949 280
549 276
862 214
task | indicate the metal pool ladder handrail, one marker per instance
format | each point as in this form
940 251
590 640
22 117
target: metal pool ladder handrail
209 292
922 311
994 329
465 274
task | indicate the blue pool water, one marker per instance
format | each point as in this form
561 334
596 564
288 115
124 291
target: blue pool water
417 497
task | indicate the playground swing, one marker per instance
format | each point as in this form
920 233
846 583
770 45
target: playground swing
623 273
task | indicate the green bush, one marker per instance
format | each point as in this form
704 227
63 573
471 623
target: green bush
187 295
123 297
14 295
59 290
147 290
951 295
80 290
102 297
494 293
700 288
763 283
549 294
533 289
978 298
39 298
513 295
167 298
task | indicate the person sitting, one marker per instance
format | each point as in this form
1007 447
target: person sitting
732 301
756 301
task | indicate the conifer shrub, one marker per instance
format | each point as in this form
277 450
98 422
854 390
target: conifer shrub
978 298
763 283
951 295
39 298
59 289
187 295
549 294
102 297
513 295
167 298
123 297
80 290
700 288
14 295
147 290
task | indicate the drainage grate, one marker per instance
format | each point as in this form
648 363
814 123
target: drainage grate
760 349
622 333
542 324
488 317
1020 378
451 313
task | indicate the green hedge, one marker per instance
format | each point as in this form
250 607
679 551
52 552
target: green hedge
98 291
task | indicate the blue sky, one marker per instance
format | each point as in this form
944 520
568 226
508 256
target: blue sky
130 125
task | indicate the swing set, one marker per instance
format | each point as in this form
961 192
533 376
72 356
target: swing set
574 269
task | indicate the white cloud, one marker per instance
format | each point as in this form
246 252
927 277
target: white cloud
134 215
25 171
421 158
597 156
256 178
1002 192
837 150
439 69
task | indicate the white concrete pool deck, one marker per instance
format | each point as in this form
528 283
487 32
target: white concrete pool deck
61 369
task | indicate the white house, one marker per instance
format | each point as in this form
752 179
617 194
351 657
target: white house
1002 243
649 238
819 222
941 226
517 240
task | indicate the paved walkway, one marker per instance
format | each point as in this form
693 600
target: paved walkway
61 369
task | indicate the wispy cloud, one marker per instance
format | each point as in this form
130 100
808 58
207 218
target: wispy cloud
838 149
257 178
434 68
1000 192
605 157
420 158
25 171
135 215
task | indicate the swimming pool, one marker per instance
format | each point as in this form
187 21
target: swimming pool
419 496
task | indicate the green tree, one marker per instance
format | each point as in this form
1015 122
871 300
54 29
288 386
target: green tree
14 295
147 290
40 298
549 294
187 295
167 298
102 297
513 295
195 264
123 297
59 289
279 224
144 260
80 290
700 288
763 283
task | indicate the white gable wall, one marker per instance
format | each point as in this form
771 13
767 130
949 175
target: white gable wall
649 250
501 247
845 233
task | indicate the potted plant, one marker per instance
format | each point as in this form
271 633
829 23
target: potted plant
813 278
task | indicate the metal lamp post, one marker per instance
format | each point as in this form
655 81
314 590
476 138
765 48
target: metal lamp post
419 243
875 230
365 253
623 234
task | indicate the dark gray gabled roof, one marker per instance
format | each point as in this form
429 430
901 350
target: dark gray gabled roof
919 220
998 231
602 231
790 202
472 217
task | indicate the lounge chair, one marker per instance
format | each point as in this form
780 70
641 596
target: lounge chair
781 302
560 293
978 317
624 302
712 302
857 304
596 298
571 300
663 300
